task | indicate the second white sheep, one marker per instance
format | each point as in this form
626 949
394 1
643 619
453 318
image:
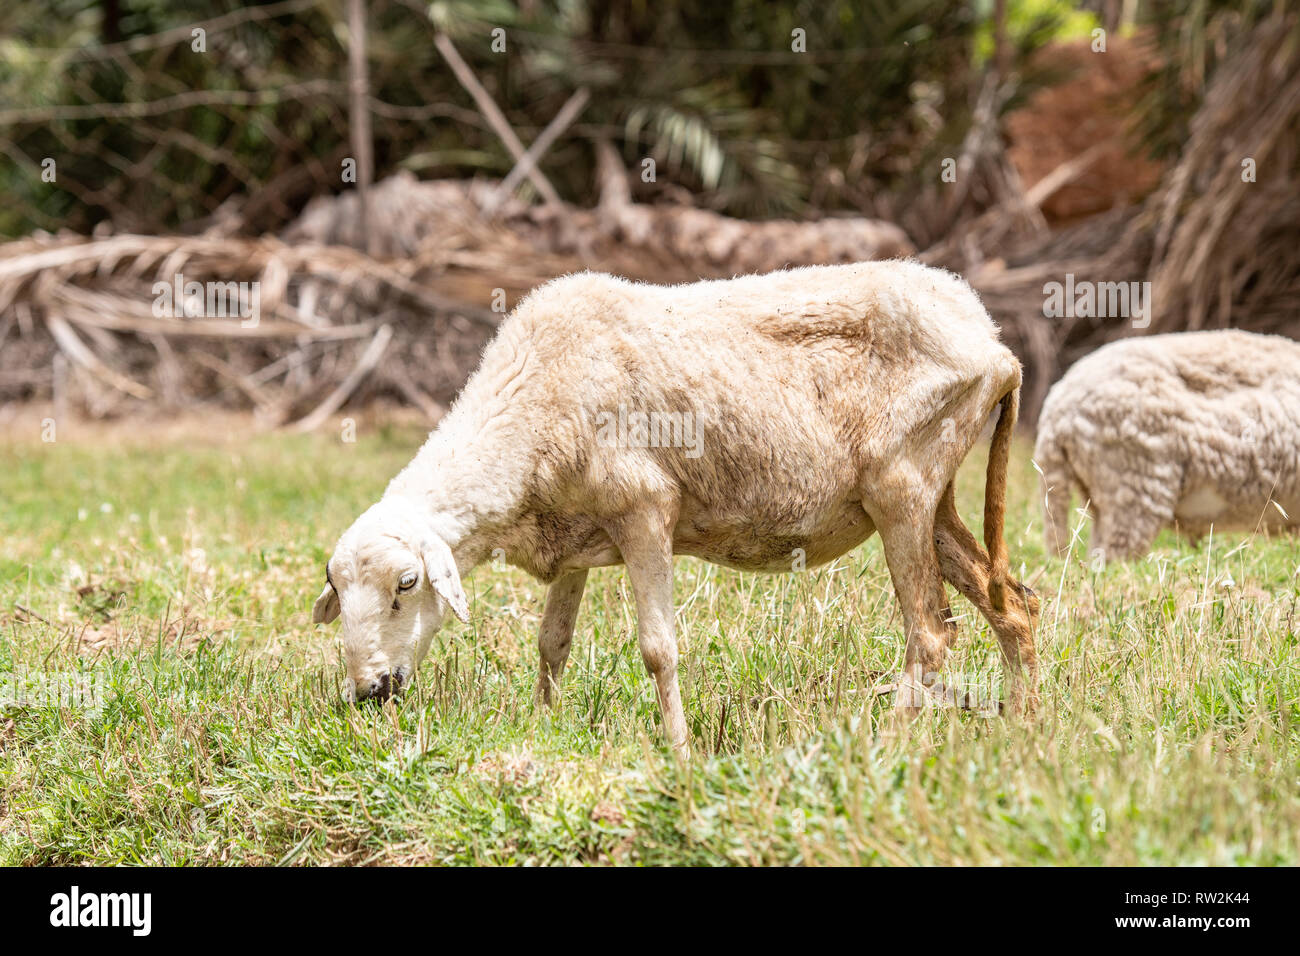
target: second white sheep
1193 430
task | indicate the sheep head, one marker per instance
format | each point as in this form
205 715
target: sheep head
391 579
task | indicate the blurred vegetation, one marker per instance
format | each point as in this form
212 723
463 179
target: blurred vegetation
712 91
1192 40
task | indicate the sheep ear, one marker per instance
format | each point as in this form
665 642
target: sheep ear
440 567
327 606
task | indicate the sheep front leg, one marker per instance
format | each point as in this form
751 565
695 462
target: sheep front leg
556 635
645 542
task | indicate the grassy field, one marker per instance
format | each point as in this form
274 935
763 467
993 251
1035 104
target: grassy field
173 570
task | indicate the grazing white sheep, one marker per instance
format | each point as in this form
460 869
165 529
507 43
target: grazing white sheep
1192 430
827 403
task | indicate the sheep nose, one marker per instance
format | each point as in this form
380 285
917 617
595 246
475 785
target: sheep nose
382 687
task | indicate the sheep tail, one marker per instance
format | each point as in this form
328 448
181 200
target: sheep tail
995 499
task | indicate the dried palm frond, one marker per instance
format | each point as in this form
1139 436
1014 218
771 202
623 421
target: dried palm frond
283 342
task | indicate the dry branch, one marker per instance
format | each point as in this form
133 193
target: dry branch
495 118
567 114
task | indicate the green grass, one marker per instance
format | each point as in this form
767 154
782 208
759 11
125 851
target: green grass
179 574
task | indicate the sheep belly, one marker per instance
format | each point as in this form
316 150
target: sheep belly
1205 506
1201 506
767 544
556 543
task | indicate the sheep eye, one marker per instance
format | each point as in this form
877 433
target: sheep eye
407 581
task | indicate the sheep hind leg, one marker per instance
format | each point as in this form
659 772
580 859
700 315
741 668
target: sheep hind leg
644 539
555 638
927 621
965 564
